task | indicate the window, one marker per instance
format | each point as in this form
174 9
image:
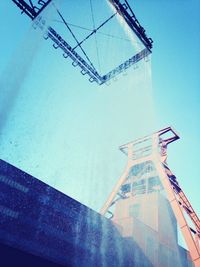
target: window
154 184
126 188
139 187
142 168
8 212
13 184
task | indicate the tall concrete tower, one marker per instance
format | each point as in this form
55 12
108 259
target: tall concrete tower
147 204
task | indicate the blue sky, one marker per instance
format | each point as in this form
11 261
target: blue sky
174 26
64 130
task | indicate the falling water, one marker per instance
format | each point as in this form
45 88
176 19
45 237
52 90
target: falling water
13 77
58 127
134 40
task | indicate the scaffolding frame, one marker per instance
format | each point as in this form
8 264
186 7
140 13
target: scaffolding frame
33 9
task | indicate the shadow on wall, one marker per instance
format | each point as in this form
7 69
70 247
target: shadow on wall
136 256
13 257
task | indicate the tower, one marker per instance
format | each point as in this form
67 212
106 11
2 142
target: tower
148 203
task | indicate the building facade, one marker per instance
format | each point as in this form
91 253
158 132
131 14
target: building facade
40 226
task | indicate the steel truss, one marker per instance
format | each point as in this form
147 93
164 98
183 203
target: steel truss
33 9
156 152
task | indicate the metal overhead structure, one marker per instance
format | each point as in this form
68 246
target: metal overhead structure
147 156
34 8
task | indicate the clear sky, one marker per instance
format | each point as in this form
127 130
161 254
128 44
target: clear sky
65 131
175 29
